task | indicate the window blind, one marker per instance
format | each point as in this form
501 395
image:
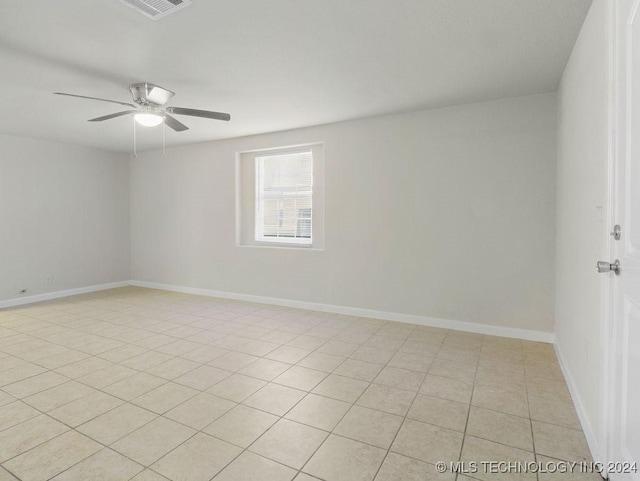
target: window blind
284 191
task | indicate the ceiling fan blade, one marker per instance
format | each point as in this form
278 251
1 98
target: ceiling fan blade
95 98
207 114
112 116
174 123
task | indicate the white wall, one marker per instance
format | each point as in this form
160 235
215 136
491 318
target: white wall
582 159
64 213
446 213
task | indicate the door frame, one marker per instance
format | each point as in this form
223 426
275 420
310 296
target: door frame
607 307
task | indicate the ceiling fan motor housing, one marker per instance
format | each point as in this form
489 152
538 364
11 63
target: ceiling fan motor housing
150 94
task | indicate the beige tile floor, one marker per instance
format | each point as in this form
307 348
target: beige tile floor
144 385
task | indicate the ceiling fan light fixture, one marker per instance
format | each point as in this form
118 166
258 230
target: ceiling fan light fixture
148 120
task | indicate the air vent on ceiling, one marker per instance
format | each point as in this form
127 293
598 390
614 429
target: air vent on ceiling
156 9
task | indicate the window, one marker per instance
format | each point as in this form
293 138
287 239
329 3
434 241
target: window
279 197
284 198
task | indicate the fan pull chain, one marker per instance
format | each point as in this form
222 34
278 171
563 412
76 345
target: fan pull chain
135 153
164 144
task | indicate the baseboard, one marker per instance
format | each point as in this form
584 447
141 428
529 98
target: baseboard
19 301
592 440
525 334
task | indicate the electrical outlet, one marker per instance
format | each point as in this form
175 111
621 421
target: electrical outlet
48 280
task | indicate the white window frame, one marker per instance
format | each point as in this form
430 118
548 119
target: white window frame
261 197
246 194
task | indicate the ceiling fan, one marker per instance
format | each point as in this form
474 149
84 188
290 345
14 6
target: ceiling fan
149 110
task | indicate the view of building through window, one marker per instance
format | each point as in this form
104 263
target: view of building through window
284 188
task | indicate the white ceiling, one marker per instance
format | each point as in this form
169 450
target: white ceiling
272 64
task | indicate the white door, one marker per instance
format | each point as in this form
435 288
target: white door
624 346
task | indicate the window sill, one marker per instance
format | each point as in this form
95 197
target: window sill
276 245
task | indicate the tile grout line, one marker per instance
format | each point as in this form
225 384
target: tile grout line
466 425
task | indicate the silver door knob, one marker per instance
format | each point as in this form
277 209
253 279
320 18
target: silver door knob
604 266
